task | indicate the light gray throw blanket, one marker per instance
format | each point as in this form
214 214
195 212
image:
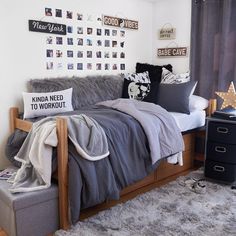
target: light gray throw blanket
163 134
35 154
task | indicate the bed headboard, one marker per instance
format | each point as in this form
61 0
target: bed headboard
86 90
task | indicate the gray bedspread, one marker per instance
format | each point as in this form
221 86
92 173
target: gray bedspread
91 183
164 136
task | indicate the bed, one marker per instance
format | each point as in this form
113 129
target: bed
159 173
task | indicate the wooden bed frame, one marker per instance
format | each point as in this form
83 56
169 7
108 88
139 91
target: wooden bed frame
163 171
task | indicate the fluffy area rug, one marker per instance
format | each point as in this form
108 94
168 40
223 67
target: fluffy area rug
174 209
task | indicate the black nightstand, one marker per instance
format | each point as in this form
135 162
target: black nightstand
220 150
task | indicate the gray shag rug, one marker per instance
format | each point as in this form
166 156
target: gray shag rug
174 209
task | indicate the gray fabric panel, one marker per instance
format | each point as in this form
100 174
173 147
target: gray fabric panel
38 220
86 91
213 46
22 200
7 219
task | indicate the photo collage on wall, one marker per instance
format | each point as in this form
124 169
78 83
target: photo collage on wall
88 45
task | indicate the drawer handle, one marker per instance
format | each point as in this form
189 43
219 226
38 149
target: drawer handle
220 149
219 168
222 130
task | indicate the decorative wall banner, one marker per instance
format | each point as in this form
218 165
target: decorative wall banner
47 27
172 52
167 33
120 22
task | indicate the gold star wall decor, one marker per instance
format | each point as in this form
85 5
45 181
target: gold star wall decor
229 97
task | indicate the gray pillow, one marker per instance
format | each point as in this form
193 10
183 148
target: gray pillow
175 97
86 91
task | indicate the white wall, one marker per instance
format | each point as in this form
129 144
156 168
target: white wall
23 53
178 14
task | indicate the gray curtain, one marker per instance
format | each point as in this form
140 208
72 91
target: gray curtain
213 45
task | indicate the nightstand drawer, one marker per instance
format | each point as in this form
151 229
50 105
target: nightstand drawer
222 132
221 152
220 171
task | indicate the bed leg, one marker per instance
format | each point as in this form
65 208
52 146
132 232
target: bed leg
14 113
211 107
62 155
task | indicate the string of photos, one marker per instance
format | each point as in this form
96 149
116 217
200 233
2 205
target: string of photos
82 41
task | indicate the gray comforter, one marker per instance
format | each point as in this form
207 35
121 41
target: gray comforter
91 183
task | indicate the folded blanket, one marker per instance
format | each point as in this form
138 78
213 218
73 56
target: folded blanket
35 154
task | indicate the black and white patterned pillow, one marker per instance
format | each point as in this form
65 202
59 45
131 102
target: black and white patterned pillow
139 77
168 77
146 92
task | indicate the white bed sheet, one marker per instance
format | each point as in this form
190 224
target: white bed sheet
186 122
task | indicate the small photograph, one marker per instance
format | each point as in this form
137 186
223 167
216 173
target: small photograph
80 41
48 11
114 54
49 65
99 18
107 66
89 66
80 30
122 66
70 66
122 55
69 29
89 30
122 44
70 41
114 67
58 13
49 53
69 14
59 40
106 55
89 17
107 43
122 33
58 53
49 40
59 65
89 54
114 32
98 66
79 66
114 44
79 16
80 54
99 43
99 32
70 53
107 32
98 54
89 42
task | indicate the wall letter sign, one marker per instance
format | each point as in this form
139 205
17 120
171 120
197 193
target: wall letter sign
47 27
120 22
172 52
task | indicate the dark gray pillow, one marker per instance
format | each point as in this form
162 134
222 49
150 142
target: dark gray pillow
86 91
175 97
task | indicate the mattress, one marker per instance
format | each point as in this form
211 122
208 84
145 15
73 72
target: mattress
186 122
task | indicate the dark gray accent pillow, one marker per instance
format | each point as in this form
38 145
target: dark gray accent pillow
86 91
175 97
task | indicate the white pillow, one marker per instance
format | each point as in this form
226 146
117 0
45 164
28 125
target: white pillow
197 103
139 77
43 104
